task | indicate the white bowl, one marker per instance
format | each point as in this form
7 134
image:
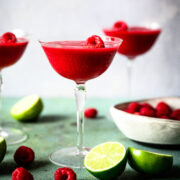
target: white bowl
147 129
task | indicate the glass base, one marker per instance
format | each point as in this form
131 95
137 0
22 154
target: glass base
13 136
69 157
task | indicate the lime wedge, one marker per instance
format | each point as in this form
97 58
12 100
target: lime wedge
2 148
148 162
28 108
106 161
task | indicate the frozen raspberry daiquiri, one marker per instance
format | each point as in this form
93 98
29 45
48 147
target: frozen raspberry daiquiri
79 61
11 50
136 41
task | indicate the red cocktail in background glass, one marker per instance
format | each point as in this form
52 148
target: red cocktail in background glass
11 50
10 53
136 41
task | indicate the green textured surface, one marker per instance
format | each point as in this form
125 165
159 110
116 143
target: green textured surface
56 128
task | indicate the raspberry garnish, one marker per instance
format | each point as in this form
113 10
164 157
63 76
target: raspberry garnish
64 174
145 111
120 25
90 113
95 42
175 114
24 156
134 107
8 38
21 174
163 109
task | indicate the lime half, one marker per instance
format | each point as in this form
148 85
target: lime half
28 108
148 162
2 148
106 161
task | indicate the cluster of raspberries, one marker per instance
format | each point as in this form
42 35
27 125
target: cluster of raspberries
162 110
24 156
60 174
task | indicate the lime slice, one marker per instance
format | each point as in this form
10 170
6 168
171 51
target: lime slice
2 148
106 161
148 162
28 108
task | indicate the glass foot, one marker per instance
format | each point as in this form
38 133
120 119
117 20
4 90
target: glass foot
13 136
69 157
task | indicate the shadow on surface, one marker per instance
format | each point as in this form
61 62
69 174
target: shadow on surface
159 146
7 167
97 118
39 164
51 118
128 174
73 123
100 117
89 119
174 173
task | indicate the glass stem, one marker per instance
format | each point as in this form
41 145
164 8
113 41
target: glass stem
129 76
1 82
80 95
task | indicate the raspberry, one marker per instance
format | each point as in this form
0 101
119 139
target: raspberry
64 174
163 109
164 117
21 174
8 38
137 113
175 114
120 25
145 111
95 42
134 107
147 105
90 113
126 110
24 156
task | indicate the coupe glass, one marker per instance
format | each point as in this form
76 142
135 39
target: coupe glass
76 61
10 53
137 40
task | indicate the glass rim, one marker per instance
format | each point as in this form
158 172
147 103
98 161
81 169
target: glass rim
154 26
113 40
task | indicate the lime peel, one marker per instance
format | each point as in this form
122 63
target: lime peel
3 148
147 162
